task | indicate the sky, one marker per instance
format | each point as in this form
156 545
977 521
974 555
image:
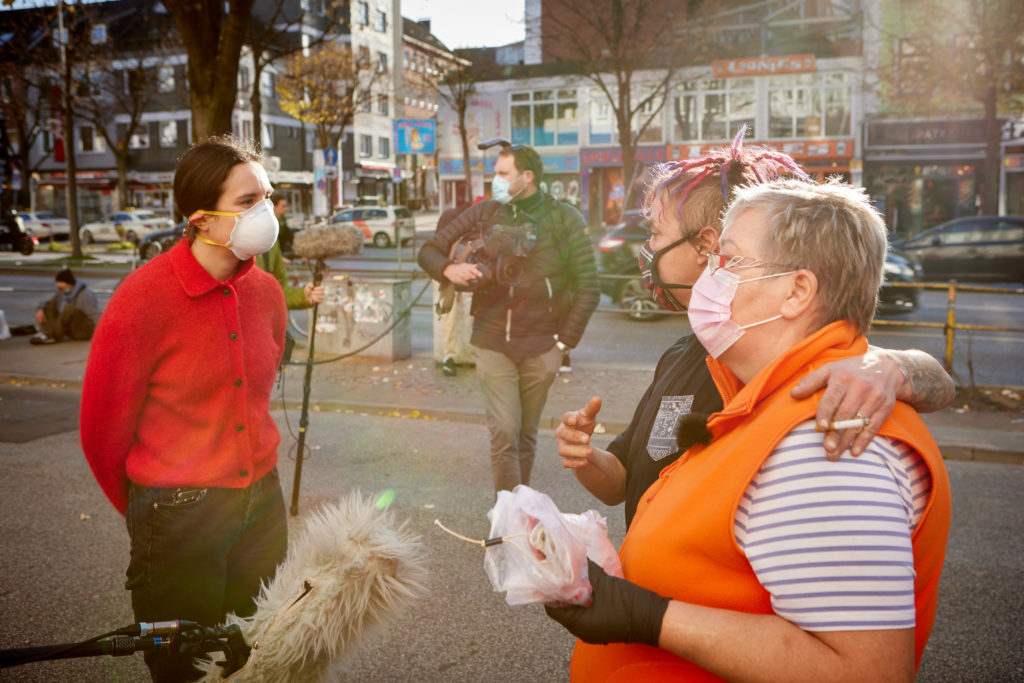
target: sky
470 23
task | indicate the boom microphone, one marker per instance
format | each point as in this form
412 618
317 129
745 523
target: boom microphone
353 568
317 244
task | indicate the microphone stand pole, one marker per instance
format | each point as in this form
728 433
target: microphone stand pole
318 276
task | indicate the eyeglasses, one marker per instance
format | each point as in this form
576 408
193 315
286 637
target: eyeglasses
716 261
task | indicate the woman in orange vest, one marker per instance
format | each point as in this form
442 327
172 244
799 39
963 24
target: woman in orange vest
753 556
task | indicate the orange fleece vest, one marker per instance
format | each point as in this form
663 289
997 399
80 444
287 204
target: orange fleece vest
682 543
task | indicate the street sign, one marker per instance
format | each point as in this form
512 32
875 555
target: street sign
331 156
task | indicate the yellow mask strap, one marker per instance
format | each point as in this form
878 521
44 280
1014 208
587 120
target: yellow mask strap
209 241
213 213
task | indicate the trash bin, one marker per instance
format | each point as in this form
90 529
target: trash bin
357 310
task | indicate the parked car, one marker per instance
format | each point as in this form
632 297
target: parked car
892 297
128 225
14 236
974 248
159 242
43 224
617 255
378 223
619 249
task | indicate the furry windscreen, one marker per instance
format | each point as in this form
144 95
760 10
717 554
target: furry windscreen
353 568
327 242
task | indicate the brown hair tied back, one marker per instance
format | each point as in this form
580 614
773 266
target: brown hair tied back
202 170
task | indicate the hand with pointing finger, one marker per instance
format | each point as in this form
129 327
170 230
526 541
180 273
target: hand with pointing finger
574 432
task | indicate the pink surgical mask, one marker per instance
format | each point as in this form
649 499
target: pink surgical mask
710 309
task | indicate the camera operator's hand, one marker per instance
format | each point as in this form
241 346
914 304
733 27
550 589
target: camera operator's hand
619 612
463 274
574 432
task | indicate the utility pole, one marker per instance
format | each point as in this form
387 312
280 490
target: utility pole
69 137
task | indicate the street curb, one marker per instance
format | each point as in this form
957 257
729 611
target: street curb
950 451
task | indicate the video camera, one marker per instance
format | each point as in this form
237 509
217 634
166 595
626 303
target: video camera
500 252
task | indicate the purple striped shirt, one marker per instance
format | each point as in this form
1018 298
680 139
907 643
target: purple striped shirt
830 541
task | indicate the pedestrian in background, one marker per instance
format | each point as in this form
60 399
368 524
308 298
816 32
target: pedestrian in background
72 312
451 305
285 235
273 261
175 417
522 328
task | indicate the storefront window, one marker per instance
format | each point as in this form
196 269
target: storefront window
685 114
713 110
801 105
602 123
649 114
534 119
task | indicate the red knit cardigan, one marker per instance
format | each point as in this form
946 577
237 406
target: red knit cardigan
177 386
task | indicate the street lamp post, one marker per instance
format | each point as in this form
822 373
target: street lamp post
69 137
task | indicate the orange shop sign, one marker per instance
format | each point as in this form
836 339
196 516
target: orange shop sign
761 66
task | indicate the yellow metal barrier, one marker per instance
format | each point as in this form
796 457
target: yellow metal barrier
950 326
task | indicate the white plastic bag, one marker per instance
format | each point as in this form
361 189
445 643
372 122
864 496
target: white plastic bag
543 555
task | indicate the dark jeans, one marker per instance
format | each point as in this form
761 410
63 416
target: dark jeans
68 322
197 554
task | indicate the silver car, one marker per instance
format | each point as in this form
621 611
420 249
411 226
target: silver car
129 225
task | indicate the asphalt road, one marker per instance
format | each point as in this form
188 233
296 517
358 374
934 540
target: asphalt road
986 358
64 552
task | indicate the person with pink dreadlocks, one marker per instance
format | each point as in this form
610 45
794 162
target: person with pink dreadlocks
686 201
754 556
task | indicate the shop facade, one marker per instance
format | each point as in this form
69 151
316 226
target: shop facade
922 172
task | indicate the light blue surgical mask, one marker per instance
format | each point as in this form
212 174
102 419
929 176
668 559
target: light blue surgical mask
499 189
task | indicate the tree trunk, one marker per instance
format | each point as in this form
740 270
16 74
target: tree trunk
993 136
121 157
213 43
256 102
465 155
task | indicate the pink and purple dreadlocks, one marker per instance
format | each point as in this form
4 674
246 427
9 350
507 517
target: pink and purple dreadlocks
735 166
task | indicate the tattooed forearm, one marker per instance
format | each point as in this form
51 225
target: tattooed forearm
927 387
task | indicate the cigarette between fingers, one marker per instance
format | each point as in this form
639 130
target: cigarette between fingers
852 423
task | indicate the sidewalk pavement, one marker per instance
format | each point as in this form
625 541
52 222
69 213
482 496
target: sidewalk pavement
416 388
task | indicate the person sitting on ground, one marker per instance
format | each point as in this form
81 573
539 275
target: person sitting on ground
753 556
72 312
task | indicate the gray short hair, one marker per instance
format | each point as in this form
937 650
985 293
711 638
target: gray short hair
830 229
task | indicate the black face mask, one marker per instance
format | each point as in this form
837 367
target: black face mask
660 289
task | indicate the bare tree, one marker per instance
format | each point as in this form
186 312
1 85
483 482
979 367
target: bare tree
957 58
25 111
326 88
122 77
213 34
629 49
456 88
276 36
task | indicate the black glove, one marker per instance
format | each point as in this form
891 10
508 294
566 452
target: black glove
619 612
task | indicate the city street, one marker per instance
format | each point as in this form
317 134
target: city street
65 550
611 338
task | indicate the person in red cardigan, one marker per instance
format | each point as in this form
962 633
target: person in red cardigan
175 420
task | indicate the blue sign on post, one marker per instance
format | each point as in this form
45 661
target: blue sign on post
331 156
